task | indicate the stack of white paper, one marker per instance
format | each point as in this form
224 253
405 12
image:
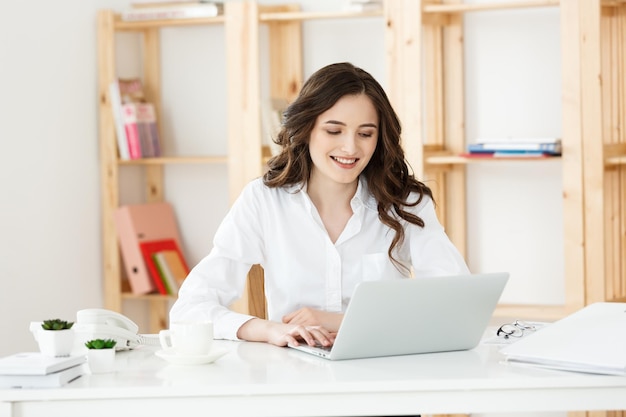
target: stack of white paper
34 370
591 340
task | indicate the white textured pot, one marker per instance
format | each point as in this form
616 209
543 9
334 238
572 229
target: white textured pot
101 361
55 342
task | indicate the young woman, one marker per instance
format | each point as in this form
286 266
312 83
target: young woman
337 206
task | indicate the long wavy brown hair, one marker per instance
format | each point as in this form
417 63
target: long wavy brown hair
388 175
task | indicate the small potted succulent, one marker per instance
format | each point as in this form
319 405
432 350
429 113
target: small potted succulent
100 355
56 337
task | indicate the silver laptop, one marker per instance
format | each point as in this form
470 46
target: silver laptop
421 315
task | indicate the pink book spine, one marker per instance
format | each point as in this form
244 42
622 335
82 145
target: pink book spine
129 111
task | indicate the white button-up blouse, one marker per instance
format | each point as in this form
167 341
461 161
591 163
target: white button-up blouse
280 229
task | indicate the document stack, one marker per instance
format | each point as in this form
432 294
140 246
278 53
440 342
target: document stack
34 370
590 340
515 147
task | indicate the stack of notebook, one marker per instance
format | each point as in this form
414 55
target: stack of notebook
591 340
514 148
34 370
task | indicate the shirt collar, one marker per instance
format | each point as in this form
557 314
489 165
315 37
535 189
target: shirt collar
362 196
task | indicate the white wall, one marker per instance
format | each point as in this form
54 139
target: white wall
50 246
513 89
51 253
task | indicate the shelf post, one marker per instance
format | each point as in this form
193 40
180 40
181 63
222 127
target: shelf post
112 285
404 52
244 114
244 123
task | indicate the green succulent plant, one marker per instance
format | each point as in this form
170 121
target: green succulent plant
100 344
57 324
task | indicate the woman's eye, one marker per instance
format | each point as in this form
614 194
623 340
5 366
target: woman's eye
333 132
366 134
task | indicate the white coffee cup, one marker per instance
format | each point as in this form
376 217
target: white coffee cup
188 337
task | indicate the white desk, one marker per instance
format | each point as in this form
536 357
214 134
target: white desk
256 379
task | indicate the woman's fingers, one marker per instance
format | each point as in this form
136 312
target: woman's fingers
313 335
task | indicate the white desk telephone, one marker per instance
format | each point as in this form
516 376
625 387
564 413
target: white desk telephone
97 323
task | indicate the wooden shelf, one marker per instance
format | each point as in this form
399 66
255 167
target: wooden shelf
458 159
301 16
466 8
176 160
615 161
123 25
150 297
614 155
593 171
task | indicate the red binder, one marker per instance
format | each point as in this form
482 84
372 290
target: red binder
150 248
143 223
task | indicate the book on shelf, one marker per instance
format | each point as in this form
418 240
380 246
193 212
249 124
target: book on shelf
171 287
35 363
148 130
363 6
131 90
171 3
517 147
150 248
138 223
131 127
172 269
135 120
507 154
116 108
171 12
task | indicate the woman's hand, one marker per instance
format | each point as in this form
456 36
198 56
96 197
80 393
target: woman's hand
282 334
307 316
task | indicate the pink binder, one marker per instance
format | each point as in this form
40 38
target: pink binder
143 223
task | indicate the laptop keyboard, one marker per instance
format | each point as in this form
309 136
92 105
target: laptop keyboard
324 348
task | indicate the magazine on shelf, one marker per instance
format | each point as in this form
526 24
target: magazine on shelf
364 6
169 12
519 145
131 127
120 131
172 3
148 130
507 154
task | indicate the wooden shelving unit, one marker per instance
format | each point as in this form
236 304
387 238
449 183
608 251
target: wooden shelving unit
594 177
241 21
243 159
424 61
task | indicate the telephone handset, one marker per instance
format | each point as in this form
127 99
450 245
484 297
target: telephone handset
97 323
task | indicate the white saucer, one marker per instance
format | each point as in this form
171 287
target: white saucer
171 356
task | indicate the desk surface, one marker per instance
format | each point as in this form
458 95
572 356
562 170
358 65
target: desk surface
257 379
